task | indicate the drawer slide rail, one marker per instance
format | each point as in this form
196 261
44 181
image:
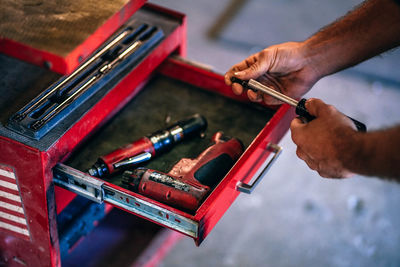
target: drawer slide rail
99 191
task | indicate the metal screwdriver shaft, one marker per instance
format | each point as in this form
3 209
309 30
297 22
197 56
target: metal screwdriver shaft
299 105
253 84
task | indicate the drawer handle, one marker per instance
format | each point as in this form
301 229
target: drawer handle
246 188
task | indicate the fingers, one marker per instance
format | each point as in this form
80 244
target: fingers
256 66
317 147
237 71
253 72
251 68
335 173
296 127
274 83
237 89
347 174
317 107
254 96
269 100
311 163
238 68
320 167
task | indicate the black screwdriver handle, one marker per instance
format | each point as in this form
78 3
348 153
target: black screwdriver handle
243 83
302 112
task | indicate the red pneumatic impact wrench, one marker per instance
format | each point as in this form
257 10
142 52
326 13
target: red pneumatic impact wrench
148 147
190 180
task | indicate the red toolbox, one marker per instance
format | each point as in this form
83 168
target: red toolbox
41 171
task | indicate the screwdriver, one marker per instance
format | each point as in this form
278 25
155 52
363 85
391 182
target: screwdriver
299 105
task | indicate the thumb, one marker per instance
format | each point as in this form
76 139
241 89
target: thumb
316 107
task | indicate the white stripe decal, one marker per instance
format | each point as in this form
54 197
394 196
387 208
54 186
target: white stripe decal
9 185
12 218
7 174
10 196
11 207
14 228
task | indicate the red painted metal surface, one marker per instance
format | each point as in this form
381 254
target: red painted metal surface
33 168
139 146
66 64
40 247
63 198
114 100
225 193
204 78
219 201
33 55
12 215
185 171
223 196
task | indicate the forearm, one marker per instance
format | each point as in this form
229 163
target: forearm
375 154
370 29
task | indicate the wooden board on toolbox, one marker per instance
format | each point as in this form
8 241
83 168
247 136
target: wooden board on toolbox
59 34
54 26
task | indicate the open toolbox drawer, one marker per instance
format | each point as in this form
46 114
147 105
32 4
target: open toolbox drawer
258 127
29 200
62 155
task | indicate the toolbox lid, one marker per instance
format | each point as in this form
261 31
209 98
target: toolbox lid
60 35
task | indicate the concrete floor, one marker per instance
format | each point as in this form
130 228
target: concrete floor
294 217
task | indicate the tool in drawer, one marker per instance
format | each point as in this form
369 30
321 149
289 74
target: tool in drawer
188 183
149 146
299 105
69 92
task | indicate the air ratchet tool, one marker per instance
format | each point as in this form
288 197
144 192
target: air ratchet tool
189 182
148 147
299 105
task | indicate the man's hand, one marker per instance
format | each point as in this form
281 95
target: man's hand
330 144
323 142
282 67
